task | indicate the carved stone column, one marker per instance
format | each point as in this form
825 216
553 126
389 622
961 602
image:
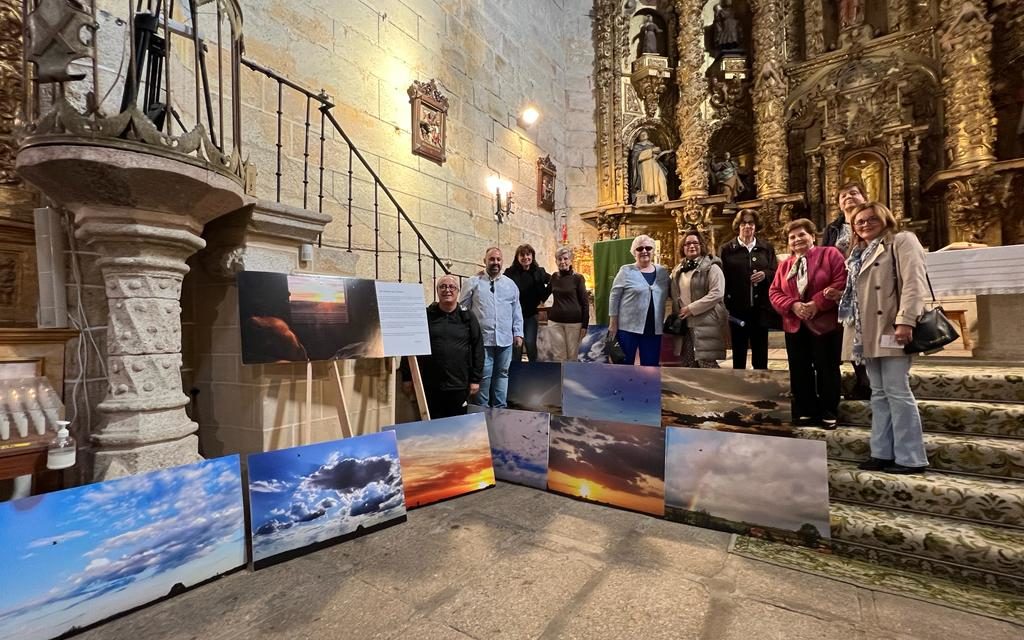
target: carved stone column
691 157
831 155
966 45
142 213
793 30
814 28
897 187
771 169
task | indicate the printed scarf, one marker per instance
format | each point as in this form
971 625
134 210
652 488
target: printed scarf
849 306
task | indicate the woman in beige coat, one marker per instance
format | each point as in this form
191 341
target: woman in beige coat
884 296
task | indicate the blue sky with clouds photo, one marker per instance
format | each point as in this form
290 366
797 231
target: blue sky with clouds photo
78 556
519 446
305 495
615 392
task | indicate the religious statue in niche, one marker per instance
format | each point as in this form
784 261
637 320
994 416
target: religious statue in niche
726 174
648 177
851 13
727 29
870 170
429 120
647 38
546 173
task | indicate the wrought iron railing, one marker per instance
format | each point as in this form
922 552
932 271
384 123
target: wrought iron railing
320 133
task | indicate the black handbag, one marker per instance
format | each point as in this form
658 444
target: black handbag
933 330
674 325
614 351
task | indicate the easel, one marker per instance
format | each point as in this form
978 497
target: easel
341 406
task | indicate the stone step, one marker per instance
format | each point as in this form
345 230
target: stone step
998 502
1004 420
998 384
992 457
988 556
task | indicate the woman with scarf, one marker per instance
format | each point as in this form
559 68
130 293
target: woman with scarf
570 309
809 318
883 297
636 305
698 291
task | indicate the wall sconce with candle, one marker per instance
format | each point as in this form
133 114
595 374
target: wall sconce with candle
502 197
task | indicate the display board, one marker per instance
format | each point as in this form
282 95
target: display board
612 392
535 386
444 458
301 318
608 462
75 557
753 401
754 485
519 446
305 497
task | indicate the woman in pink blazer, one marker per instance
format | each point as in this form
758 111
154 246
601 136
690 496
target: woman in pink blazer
809 318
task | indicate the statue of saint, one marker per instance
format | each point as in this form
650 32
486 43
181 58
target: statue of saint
851 13
728 31
727 178
648 178
647 38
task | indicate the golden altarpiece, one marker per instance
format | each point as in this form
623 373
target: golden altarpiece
705 107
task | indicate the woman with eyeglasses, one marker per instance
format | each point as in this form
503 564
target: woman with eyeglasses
749 265
636 306
809 318
883 297
698 291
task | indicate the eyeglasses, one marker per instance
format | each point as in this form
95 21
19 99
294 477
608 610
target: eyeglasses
644 249
692 243
447 287
866 222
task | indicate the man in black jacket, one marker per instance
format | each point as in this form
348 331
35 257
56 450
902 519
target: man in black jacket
454 368
534 288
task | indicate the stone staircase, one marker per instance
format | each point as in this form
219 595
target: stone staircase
964 519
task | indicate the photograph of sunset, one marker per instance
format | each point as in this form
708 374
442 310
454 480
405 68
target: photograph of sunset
612 392
535 386
444 458
608 462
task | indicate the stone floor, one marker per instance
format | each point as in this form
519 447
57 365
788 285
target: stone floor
512 562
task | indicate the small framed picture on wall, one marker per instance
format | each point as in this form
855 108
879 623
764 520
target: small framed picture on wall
546 174
429 120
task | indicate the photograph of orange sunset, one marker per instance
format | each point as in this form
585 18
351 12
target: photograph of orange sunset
444 458
608 462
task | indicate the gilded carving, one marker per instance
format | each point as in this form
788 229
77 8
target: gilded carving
966 44
896 177
692 127
975 203
770 90
608 226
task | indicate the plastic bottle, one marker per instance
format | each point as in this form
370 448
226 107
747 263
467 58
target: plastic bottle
62 448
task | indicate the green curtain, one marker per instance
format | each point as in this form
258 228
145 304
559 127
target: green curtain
609 255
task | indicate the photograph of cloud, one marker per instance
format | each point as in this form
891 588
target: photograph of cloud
612 392
750 401
303 497
444 458
75 557
592 345
763 486
608 462
519 446
535 386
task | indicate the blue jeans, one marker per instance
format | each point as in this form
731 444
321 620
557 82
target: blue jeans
648 345
494 386
529 341
895 422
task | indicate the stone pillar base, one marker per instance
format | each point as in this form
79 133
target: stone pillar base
1000 332
110 463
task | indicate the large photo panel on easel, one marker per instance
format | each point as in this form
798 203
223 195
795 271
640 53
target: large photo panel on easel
78 556
755 485
301 318
303 498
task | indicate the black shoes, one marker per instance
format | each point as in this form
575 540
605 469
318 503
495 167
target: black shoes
876 464
902 470
829 423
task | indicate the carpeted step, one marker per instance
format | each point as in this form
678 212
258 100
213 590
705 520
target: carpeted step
987 556
1004 420
959 383
993 457
998 502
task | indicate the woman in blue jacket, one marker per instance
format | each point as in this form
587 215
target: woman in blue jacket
636 306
